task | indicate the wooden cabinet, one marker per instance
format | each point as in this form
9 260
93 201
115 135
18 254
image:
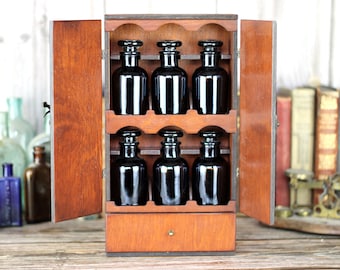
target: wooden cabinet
80 165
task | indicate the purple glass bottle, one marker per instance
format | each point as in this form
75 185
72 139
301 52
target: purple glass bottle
210 83
10 198
169 82
129 183
211 173
170 172
129 94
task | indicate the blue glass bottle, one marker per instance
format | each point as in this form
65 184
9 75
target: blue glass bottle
169 82
129 94
210 82
129 184
210 173
10 198
170 172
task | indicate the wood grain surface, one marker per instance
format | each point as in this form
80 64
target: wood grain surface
80 244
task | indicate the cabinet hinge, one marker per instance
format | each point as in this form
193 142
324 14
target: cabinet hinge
238 122
104 54
238 53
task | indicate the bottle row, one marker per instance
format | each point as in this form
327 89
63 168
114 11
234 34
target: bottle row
29 197
169 83
170 173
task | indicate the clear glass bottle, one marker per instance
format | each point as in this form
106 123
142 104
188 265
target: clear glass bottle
37 184
169 82
170 172
10 197
19 128
10 150
210 82
210 172
129 183
43 138
129 92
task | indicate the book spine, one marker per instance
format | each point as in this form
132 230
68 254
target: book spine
326 136
283 139
302 136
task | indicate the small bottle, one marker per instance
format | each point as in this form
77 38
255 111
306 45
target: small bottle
169 82
20 130
210 83
43 138
170 172
37 181
10 150
129 94
10 198
210 173
129 184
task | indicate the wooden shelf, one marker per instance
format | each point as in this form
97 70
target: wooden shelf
190 207
155 57
191 122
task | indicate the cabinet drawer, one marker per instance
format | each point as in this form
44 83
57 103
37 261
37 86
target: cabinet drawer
167 232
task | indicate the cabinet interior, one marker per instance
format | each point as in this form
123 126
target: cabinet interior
189 32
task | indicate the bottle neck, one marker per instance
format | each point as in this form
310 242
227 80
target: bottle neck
39 158
7 169
14 108
129 60
170 151
210 150
128 150
47 124
169 59
210 59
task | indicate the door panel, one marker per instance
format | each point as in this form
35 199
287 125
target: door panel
76 119
257 120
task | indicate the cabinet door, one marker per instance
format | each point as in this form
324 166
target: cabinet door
77 119
257 119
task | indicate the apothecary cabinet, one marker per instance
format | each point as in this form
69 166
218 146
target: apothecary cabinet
83 59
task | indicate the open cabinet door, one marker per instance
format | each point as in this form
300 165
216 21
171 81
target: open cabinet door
76 119
257 120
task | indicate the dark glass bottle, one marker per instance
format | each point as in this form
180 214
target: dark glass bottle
37 182
169 82
211 173
129 92
210 83
10 197
170 172
129 184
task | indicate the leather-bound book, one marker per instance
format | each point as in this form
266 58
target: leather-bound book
326 134
283 139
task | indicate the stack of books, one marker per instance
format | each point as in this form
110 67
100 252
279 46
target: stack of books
307 138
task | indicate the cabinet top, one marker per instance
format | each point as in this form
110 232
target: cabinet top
171 16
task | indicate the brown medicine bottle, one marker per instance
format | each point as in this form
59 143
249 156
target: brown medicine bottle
37 183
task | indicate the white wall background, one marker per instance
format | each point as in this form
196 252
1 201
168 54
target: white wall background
308 33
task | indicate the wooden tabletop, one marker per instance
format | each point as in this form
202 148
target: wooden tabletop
80 244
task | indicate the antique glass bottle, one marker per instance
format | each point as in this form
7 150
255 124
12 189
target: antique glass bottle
210 173
210 82
10 150
10 197
19 128
43 138
129 184
129 94
37 183
169 82
170 172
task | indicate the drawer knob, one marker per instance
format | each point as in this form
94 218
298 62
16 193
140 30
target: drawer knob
171 233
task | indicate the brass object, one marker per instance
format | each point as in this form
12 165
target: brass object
329 200
283 212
